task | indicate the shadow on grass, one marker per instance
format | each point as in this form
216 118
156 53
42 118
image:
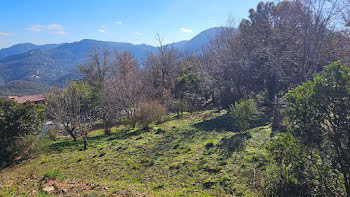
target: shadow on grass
70 145
226 123
124 134
220 123
234 143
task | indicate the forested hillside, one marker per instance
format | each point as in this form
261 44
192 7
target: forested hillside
262 110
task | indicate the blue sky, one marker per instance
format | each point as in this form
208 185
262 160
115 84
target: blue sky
134 21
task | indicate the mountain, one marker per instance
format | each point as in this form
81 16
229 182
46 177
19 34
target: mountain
57 63
20 88
47 66
199 41
24 47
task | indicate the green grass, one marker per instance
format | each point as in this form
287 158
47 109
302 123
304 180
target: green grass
198 155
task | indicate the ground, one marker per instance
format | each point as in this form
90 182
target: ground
199 154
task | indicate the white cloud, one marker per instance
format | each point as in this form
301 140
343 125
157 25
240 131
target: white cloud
119 22
5 34
54 29
35 28
185 30
57 27
58 33
101 30
137 33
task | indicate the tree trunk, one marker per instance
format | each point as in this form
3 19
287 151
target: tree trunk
277 117
85 143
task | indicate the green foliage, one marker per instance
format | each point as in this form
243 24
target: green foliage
210 144
288 159
29 146
207 183
242 113
189 87
143 161
20 88
16 120
175 165
318 114
147 161
178 106
51 175
52 133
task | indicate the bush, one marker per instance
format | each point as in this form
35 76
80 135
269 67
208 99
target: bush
242 113
52 133
150 112
125 121
208 183
17 120
52 175
147 113
147 161
175 165
178 107
29 146
209 144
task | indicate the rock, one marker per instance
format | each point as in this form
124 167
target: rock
49 189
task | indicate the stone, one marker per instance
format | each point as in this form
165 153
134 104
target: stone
49 189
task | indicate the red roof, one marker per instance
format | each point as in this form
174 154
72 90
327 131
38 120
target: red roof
31 98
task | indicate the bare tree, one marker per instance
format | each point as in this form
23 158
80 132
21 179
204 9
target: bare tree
162 70
124 86
98 67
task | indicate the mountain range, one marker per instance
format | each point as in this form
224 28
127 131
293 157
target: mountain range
50 64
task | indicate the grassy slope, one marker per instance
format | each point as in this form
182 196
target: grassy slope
177 162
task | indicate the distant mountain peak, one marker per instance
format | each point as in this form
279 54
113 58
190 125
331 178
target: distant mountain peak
57 63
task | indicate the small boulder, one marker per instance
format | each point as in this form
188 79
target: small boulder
49 189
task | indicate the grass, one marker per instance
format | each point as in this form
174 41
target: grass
198 155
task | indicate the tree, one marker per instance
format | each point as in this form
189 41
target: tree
68 107
124 86
242 113
96 71
189 86
319 115
16 121
286 153
162 70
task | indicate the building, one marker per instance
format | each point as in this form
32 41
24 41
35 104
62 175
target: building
36 99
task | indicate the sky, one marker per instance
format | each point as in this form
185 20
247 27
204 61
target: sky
133 21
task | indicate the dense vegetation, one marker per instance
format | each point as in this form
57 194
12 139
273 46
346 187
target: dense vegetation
20 88
262 111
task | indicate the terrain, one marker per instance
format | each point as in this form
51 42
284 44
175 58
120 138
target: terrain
56 64
197 155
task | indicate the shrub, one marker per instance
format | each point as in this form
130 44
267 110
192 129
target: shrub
177 145
209 144
147 161
16 121
146 114
224 179
242 113
52 133
178 107
29 146
208 183
174 166
52 175
150 112
125 121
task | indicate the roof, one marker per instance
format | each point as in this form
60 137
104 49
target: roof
30 98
